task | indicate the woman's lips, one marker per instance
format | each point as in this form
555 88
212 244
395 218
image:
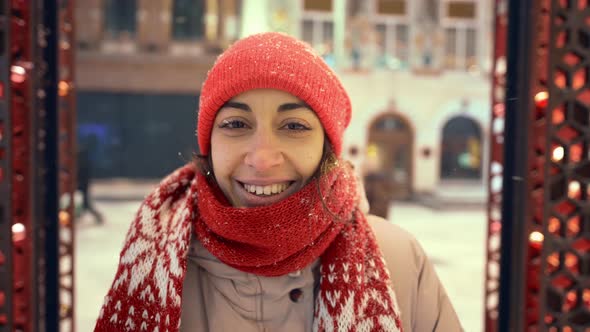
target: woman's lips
259 195
270 189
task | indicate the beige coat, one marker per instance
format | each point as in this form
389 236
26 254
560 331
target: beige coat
217 297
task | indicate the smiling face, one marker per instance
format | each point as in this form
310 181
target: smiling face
265 145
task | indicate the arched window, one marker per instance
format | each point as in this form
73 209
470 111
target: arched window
389 153
390 123
461 152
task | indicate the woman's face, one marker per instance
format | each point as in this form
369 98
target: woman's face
265 146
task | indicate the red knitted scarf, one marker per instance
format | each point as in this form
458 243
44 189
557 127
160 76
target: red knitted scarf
355 289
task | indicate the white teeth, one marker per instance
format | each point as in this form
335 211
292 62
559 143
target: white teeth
266 190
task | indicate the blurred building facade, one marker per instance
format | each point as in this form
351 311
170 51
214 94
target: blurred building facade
139 67
417 72
418 75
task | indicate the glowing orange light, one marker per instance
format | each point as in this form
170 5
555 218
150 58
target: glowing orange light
558 116
579 79
554 225
552 262
64 88
586 297
571 261
570 301
576 153
64 218
573 226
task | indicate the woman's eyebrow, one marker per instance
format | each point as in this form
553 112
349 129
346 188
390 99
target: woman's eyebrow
240 106
292 106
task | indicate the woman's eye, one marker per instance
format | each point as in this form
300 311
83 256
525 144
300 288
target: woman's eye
296 126
232 124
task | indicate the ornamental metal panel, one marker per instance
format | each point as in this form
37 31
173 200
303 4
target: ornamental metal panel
565 275
537 152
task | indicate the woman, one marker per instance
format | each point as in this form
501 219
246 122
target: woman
267 231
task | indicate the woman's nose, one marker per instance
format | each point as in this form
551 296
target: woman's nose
264 153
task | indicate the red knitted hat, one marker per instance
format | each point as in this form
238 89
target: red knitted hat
275 61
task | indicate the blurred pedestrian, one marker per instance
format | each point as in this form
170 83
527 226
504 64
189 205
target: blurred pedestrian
379 189
86 148
265 231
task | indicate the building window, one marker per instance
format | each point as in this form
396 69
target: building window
391 7
391 20
461 48
318 5
450 47
461 33
461 151
327 33
307 29
390 123
461 9
120 18
317 27
470 49
393 39
188 23
319 34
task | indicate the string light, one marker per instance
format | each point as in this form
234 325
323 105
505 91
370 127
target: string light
18 232
536 237
558 153
17 74
541 98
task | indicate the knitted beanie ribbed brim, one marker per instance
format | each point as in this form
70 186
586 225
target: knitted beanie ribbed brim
275 61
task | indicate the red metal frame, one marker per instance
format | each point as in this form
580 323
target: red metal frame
21 103
537 155
536 163
24 306
5 174
492 271
67 162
